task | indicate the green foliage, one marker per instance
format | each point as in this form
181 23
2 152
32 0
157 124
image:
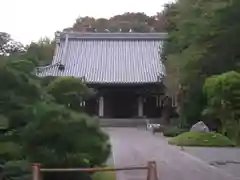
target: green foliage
18 170
173 131
59 137
37 129
17 78
223 94
105 175
210 139
68 91
202 42
224 87
22 65
45 81
9 151
8 46
41 52
138 22
19 91
4 123
62 138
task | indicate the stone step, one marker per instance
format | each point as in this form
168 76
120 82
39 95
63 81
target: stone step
112 122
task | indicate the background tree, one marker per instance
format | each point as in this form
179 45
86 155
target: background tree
8 45
223 95
41 52
138 22
196 50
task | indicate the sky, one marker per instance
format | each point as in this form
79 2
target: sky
29 20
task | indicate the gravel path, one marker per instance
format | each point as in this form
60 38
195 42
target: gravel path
134 147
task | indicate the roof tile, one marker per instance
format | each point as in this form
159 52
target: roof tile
109 60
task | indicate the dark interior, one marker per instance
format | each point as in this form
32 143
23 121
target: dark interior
122 102
120 105
91 106
150 107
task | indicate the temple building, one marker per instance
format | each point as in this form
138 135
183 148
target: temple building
125 69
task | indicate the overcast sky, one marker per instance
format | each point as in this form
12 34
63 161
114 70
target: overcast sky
29 20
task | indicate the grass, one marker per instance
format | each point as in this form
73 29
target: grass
104 175
210 139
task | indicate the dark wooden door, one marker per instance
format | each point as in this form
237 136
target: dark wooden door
121 105
150 107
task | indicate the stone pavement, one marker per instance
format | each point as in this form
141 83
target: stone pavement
134 147
227 159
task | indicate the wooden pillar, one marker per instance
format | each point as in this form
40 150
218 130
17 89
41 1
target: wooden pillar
101 107
140 106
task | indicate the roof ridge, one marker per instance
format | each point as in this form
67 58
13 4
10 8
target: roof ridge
111 35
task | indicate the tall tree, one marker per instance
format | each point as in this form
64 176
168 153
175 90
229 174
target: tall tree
40 52
196 49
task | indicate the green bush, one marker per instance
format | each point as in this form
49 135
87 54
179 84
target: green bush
210 139
105 175
61 138
9 150
4 123
68 91
17 170
34 128
173 131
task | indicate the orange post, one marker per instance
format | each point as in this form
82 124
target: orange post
155 170
149 171
35 171
152 171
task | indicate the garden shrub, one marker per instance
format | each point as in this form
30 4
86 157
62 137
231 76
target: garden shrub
210 139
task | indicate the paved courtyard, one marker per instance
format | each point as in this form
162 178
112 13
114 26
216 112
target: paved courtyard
227 159
134 147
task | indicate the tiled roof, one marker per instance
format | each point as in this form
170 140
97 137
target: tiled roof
108 57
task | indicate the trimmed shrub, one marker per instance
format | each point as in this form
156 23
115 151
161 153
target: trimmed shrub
173 131
60 138
210 139
169 131
105 175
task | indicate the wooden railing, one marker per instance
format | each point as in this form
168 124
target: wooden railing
151 169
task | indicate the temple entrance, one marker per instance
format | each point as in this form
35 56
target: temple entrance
124 102
152 107
120 105
91 107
